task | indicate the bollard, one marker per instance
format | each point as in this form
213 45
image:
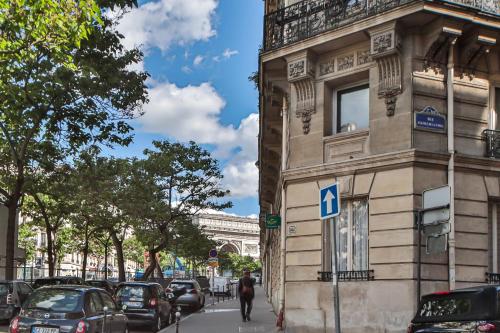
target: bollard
218 295
177 321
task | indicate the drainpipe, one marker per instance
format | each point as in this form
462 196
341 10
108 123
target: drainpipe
451 164
284 157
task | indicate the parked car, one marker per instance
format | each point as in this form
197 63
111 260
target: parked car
192 297
103 284
79 309
220 285
146 304
474 309
12 296
58 280
204 283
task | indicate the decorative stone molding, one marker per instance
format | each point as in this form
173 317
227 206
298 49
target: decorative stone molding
305 106
385 48
345 62
363 57
437 52
301 75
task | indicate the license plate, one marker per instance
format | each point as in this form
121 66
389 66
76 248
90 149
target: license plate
38 329
128 304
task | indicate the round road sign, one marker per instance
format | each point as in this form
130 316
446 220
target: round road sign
212 253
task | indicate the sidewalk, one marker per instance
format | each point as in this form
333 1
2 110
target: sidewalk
226 318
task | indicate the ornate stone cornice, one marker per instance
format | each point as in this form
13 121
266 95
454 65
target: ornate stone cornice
385 50
301 77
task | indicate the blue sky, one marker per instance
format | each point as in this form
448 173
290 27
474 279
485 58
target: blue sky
199 54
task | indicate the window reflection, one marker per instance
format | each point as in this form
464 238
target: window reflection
353 109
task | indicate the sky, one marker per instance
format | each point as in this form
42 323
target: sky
199 54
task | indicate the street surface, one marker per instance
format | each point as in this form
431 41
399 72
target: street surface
223 317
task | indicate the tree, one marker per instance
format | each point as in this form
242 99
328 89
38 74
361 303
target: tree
236 263
174 182
27 240
64 84
49 206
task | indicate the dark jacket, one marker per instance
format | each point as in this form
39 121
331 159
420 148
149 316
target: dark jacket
248 282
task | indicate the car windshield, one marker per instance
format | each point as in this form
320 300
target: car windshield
56 300
4 289
179 285
132 292
474 305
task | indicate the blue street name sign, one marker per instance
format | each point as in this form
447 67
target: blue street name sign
329 201
430 119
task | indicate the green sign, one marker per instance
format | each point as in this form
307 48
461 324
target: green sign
273 221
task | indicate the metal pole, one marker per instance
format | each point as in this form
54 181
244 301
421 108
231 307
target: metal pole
419 255
213 285
336 294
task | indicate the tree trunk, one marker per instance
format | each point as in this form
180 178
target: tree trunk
151 267
11 235
106 261
50 249
118 244
85 255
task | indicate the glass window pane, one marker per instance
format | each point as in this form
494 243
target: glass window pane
353 109
360 235
342 230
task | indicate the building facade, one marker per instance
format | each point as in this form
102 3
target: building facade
387 98
235 234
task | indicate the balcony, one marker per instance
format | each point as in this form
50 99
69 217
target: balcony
492 278
311 17
348 276
492 139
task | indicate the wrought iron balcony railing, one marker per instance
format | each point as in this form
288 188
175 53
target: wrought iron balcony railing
311 17
347 276
493 278
492 139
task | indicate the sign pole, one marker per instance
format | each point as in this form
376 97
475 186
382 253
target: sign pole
213 285
336 294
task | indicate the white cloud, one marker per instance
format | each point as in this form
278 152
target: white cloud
216 58
163 23
186 69
193 113
186 113
229 53
198 60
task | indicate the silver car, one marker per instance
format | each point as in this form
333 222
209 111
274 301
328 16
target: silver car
193 298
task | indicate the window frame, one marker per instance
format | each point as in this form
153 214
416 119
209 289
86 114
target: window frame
327 247
494 115
335 118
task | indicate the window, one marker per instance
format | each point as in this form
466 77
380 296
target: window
352 109
495 109
351 228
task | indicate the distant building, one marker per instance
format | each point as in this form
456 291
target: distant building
235 234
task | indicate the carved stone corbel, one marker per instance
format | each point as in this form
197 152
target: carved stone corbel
385 46
474 49
301 76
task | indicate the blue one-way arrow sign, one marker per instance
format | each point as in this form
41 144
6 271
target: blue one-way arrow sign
329 201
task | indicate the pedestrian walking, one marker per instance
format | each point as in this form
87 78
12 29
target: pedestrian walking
247 293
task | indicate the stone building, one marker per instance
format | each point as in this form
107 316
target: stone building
235 234
388 98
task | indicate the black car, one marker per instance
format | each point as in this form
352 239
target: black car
146 304
103 284
474 309
12 296
204 283
69 309
58 280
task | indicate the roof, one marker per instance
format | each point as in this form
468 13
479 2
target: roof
69 287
